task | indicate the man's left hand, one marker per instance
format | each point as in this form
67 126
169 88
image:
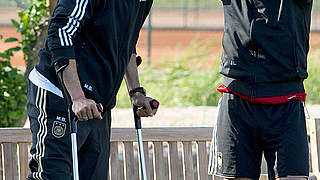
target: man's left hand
140 100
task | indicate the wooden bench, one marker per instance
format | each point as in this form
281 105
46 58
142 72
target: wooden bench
123 156
171 153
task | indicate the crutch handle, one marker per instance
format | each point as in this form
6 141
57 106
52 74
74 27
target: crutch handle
74 119
154 104
137 120
100 107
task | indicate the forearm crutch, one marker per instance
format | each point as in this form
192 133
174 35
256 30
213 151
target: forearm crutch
73 126
137 121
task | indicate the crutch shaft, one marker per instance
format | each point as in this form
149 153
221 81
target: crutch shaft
141 153
137 121
73 127
74 156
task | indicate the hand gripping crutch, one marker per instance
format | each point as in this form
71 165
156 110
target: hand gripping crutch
137 121
73 126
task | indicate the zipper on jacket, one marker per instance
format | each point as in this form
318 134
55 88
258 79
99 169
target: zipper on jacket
280 10
256 55
297 62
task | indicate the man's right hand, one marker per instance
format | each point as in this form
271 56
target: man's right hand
85 109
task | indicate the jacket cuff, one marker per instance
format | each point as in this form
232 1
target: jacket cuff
62 54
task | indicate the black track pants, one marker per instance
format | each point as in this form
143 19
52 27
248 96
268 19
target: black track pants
244 131
51 148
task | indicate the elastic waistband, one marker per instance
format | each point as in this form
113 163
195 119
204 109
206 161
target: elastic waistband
262 90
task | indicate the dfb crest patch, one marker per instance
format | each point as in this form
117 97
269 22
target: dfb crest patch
59 129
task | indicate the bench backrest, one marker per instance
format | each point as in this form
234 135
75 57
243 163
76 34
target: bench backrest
170 153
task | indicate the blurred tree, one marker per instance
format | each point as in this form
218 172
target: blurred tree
33 24
32 54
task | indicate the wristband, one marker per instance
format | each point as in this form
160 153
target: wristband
138 89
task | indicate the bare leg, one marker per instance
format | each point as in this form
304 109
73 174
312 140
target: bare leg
238 179
293 178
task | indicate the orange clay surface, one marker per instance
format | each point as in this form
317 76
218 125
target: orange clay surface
164 42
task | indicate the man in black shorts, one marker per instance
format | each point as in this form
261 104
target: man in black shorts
264 63
95 41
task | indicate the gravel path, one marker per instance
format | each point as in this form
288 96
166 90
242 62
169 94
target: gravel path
181 117
168 117
199 116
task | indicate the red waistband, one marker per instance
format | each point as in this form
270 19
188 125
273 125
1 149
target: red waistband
265 100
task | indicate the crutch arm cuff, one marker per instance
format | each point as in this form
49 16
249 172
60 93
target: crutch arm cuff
138 60
61 64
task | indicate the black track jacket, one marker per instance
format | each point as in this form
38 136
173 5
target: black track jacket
101 35
265 46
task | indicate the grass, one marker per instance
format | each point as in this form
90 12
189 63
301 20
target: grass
214 4
312 84
184 81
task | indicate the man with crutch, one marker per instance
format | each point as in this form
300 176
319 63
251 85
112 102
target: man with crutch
91 45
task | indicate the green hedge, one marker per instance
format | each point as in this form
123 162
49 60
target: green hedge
312 84
202 4
182 81
12 95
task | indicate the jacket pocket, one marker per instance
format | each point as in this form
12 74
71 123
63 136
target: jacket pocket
301 62
277 49
276 42
270 10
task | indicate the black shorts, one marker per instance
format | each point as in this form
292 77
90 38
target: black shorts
244 131
51 142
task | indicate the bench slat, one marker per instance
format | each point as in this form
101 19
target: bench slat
159 161
218 178
1 165
202 160
23 160
129 160
15 135
188 162
163 134
10 161
174 161
148 162
114 161
317 129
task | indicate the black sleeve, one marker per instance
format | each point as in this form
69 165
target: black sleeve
67 19
134 50
145 15
147 10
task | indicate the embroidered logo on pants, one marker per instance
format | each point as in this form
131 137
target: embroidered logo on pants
58 129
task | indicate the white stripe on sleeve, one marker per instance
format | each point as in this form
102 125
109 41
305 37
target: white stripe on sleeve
66 33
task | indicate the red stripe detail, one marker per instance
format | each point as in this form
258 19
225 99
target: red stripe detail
265 100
